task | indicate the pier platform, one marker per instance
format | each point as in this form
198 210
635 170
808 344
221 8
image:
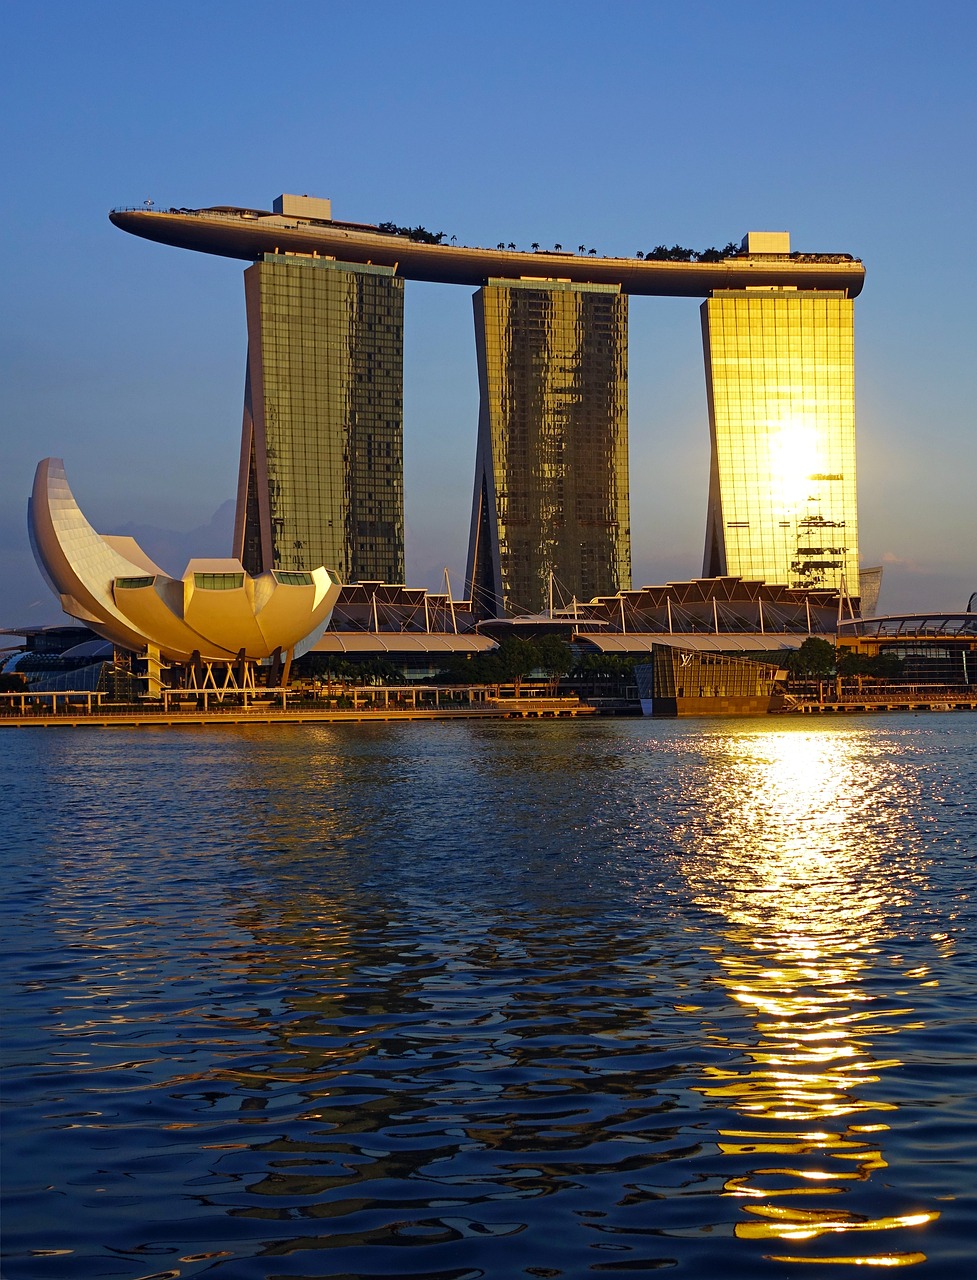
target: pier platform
862 706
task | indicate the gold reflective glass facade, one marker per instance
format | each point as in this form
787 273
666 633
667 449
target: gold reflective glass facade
551 476
781 384
322 458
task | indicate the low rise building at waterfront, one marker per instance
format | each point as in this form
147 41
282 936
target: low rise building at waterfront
683 682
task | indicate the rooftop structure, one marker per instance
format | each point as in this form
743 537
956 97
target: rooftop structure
911 626
710 615
251 233
717 615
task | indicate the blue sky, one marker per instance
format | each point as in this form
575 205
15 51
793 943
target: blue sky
621 125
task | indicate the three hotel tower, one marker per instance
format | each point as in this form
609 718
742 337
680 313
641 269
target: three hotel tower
321 476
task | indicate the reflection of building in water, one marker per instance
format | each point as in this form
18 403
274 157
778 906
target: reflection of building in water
403 1046
807 914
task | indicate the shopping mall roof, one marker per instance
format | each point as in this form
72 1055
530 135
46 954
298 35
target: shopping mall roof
904 626
725 642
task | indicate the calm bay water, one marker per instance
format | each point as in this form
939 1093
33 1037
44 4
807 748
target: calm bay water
491 1000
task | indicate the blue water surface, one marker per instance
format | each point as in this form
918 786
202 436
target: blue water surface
491 999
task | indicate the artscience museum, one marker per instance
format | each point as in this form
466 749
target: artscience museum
216 613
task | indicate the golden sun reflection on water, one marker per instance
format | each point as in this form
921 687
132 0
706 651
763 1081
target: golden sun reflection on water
800 874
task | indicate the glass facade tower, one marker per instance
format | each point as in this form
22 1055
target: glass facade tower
321 478
781 388
551 474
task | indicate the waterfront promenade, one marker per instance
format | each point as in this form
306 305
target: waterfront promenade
183 707
881 697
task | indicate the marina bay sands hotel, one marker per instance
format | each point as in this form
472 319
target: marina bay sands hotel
321 472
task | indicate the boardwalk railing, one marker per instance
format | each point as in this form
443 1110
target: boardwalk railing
340 701
885 697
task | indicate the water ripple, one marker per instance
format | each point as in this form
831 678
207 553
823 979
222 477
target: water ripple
490 1000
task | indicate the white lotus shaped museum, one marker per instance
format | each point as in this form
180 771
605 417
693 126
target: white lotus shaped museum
216 611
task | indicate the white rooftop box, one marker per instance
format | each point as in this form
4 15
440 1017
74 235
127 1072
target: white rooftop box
303 207
766 242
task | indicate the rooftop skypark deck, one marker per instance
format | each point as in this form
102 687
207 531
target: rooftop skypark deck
249 234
